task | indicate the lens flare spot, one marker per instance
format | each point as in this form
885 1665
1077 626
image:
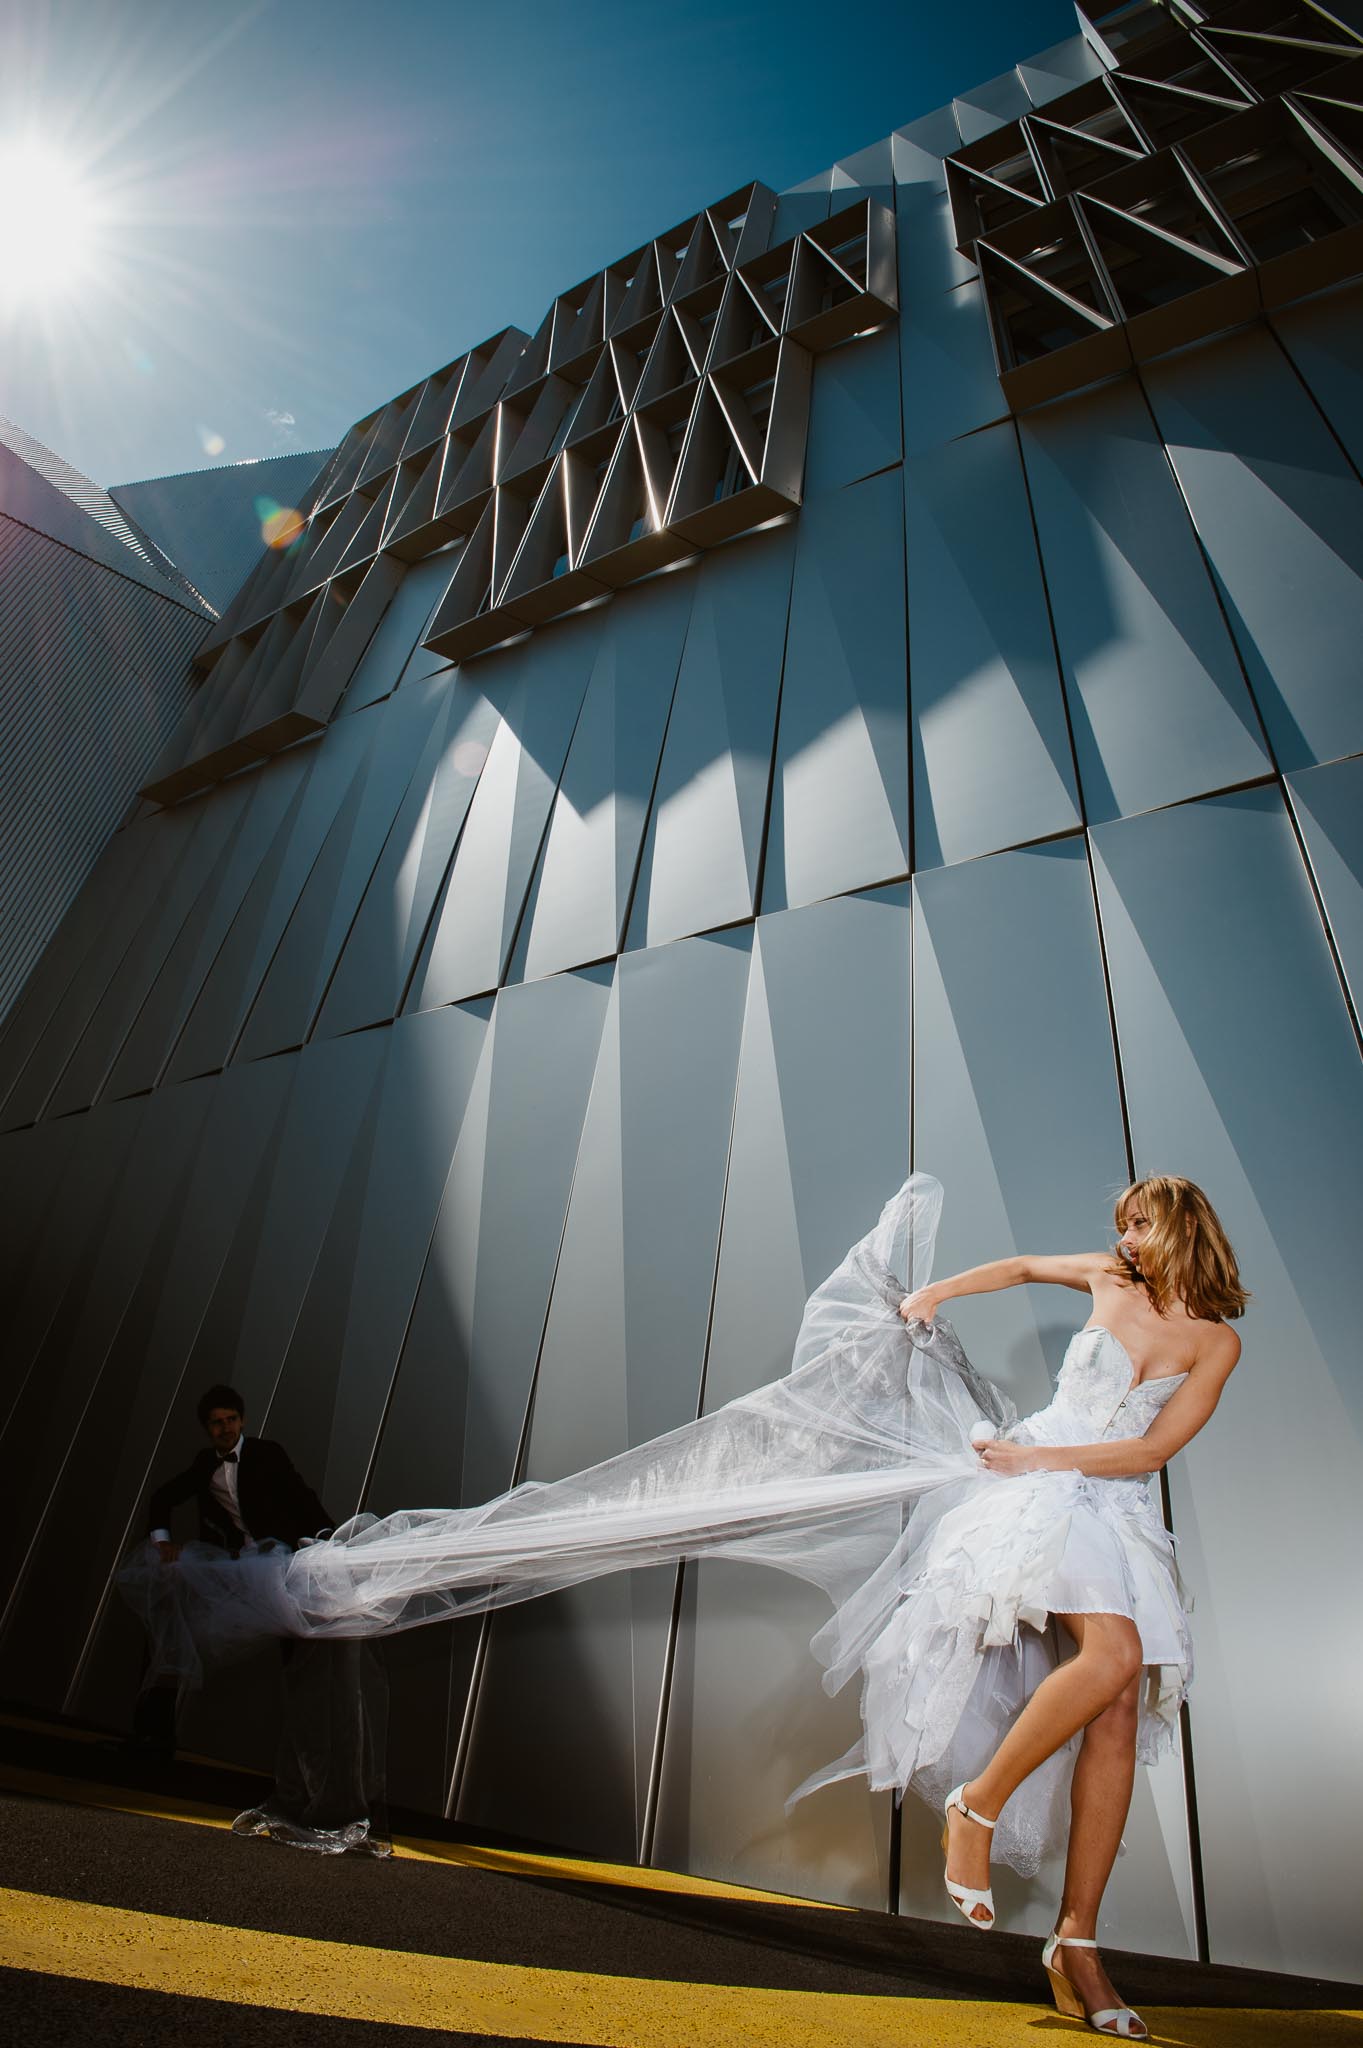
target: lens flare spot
280 525
211 441
468 757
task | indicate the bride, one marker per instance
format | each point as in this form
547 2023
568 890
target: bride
1157 1339
963 1551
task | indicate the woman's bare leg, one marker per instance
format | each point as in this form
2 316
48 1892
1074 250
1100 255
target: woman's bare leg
1099 1801
1107 1661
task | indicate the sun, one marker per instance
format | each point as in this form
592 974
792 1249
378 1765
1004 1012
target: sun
48 221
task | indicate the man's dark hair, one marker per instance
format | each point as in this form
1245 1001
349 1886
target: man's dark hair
219 1397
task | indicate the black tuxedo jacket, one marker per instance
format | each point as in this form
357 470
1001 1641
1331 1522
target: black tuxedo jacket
272 1498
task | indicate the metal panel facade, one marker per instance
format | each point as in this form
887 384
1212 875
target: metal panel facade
484 1080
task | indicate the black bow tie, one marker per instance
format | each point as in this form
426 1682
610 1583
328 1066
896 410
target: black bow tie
227 1457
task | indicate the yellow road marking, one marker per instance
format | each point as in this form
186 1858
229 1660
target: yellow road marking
511 1862
192 1958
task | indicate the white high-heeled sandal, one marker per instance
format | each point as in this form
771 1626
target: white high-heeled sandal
962 1897
1117 2020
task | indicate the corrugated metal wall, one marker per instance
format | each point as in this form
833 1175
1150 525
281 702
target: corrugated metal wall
94 674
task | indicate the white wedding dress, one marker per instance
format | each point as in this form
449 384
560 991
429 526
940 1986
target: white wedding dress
856 1471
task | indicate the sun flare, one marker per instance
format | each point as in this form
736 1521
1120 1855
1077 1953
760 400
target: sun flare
48 218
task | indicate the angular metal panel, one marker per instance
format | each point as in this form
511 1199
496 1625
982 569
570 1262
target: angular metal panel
55 977
537 690
199 838
290 996
44 1050
1059 69
622 1360
820 1140
459 1407
801 207
992 761
1280 513
582 891
398 633
382 944
854 425
1328 803
704 841
1324 338
990 105
330 769
1017 1112
840 799
1242 1071
267 797
1157 698
45 1541
951 383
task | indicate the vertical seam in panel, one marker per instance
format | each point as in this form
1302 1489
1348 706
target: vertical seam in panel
508 957
1195 1872
1301 378
1080 797
637 867
650 1820
1322 912
760 878
1207 565
459 1765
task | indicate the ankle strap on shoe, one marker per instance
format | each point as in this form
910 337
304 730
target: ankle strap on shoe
1073 1941
971 1814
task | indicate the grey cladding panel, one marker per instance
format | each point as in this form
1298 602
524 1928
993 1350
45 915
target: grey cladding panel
840 803
1242 1071
224 887
383 942
398 633
951 386
1280 513
1157 697
820 1140
991 751
854 422
330 770
286 1008
1324 338
622 1360
580 900
537 691
704 841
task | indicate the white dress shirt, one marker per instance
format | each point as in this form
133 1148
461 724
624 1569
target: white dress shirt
223 1487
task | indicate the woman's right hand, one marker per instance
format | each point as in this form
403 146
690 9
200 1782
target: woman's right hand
922 1306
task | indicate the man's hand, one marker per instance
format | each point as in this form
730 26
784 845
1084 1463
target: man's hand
168 1552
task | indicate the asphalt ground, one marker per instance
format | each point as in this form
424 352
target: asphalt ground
131 1915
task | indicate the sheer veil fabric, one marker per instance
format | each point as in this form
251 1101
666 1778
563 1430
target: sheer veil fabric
854 1472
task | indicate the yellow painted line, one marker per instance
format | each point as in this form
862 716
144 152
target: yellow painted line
510 1862
340 1980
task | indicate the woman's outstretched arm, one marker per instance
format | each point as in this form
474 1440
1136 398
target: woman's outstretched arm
1064 1269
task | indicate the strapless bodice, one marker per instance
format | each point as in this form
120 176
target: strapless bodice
1096 1394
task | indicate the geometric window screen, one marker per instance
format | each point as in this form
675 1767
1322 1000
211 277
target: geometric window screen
661 408
1215 170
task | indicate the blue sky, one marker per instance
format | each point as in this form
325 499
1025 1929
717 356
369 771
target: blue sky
311 203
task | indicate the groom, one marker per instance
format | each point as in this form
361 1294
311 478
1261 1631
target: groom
246 1489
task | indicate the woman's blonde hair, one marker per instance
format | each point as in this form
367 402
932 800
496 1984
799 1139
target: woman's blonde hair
1187 1256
